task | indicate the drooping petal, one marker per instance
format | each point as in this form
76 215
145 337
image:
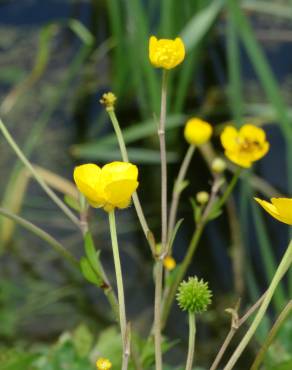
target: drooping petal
284 208
271 209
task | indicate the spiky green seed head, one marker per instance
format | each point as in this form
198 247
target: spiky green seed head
194 295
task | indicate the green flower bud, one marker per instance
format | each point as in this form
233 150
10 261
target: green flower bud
194 295
202 197
218 165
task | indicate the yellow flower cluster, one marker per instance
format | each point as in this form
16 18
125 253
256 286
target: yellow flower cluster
197 131
103 364
108 187
166 53
245 146
279 208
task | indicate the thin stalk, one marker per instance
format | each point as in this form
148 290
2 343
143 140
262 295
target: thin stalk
36 175
229 188
235 325
125 158
176 189
161 135
181 272
119 278
192 336
159 263
276 327
58 247
195 240
282 269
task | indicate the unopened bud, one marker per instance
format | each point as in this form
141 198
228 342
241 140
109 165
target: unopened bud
202 197
218 165
108 100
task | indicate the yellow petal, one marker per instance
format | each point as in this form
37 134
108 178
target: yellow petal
239 158
118 193
271 209
197 131
253 133
87 178
166 53
284 209
116 171
229 138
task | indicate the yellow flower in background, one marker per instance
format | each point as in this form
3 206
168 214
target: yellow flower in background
103 364
169 263
108 187
166 53
245 146
197 131
279 208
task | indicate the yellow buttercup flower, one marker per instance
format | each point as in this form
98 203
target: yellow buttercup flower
103 364
245 146
169 263
197 131
166 53
279 208
108 187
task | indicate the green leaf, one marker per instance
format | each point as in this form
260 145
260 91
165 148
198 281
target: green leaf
136 155
200 24
88 272
82 340
174 232
92 254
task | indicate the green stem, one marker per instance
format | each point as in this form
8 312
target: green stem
192 336
282 269
159 263
229 188
176 189
181 272
125 158
271 336
58 247
37 177
119 278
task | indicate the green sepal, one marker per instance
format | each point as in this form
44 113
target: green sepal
180 187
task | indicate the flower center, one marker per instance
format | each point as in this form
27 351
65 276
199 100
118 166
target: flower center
249 146
166 54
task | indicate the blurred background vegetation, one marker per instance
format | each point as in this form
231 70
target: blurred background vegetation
57 57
